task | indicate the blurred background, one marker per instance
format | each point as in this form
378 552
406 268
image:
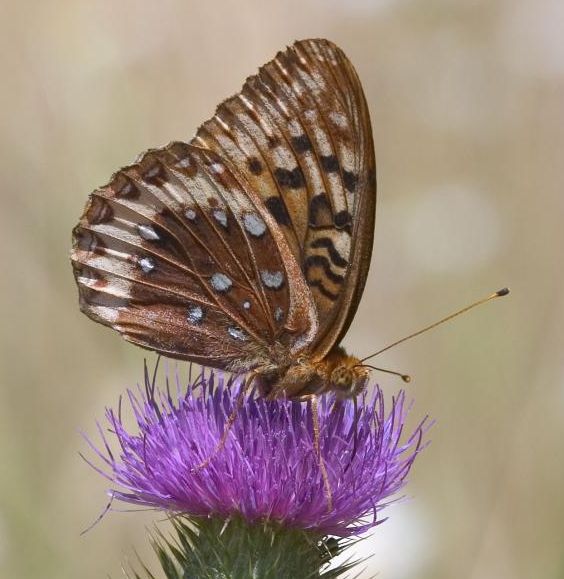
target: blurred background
466 98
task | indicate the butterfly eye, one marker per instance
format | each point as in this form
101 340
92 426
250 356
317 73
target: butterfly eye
342 379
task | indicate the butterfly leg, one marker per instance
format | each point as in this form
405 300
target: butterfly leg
314 400
230 421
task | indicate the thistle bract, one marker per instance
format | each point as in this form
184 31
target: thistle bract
268 470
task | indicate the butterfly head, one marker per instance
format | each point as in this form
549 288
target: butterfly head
344 374
348 380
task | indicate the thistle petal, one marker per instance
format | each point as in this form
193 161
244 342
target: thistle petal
268 470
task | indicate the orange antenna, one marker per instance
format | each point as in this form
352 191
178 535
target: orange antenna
500 293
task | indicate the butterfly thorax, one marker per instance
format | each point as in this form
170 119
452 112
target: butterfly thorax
337 372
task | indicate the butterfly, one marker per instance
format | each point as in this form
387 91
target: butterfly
246 249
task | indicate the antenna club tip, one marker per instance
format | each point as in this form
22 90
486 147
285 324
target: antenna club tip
406 378
502 292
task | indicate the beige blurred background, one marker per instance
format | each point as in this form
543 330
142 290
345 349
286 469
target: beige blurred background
466 98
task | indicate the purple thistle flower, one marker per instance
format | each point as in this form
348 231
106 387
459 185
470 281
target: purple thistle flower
268 468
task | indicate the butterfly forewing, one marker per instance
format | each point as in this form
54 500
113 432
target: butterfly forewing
180 257
300 134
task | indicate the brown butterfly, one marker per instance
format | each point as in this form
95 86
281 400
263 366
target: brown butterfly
248 248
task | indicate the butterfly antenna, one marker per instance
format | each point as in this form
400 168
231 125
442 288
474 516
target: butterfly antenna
405 377
498 294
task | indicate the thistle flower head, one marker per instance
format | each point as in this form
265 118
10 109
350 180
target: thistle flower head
269 469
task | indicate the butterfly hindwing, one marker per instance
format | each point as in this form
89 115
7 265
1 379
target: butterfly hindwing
179 256
299 133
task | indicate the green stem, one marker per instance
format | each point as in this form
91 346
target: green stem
218 549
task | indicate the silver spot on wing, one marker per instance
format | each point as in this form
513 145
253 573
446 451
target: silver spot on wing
184 163
254 224
152 172
146 264
278 314
220 216
237 333
147 232
195 314
272 279
220 282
